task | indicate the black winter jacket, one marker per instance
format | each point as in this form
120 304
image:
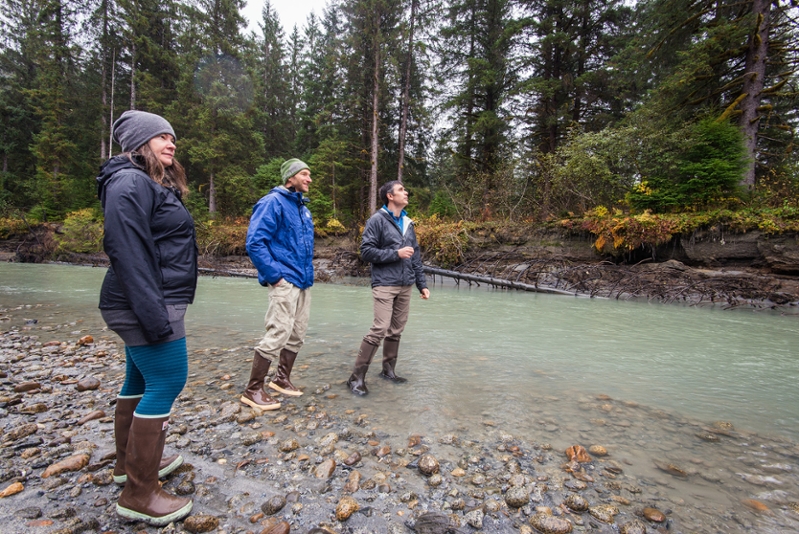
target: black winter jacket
150 240
381 240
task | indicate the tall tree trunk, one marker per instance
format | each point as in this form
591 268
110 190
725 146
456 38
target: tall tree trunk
375 103
111 107
754 82
133 75
211 194
406 92
103 82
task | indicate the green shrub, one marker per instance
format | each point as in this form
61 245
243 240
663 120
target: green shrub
82 232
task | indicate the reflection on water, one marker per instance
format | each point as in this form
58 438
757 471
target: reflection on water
651 383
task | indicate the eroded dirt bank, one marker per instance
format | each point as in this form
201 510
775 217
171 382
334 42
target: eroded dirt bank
712 266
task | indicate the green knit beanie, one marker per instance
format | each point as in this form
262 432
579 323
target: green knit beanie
291 167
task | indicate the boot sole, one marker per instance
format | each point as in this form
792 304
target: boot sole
177 515
262 407
285 391
121 479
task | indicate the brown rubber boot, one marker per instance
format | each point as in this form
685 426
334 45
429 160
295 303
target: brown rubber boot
143 499
390 352
281 381
122 420
255 395
357 382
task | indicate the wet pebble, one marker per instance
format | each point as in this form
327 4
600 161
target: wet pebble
474 518
346 507
87 384
549 524
325 469
517 496
576 502
653 514
12 489
273 505
289 445
428 464
73 463
604 512
200 523
632 527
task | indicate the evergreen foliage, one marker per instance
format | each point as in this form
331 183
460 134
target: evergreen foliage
487 109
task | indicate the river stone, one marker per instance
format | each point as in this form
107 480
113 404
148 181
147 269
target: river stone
576 502
76 462
85 340
435 480
575 485
289 445
598 450
353 458
31 409
12 489
200 523
21 432
458 472
281 527
604 512
325 469
346 507
549 524
26 386
186 487
632 527
577 453
385 450
328 439
433 523
273 505
517 496
428 464
478 480
671 469
91 416
88 384
474 518
353 482
654 515
708 436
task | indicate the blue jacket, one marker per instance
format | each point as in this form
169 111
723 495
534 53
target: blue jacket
280 238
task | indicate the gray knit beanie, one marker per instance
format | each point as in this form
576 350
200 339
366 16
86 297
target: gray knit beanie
134 128
291 167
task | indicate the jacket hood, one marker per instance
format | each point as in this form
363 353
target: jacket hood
107 170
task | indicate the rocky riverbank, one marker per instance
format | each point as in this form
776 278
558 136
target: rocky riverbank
318 463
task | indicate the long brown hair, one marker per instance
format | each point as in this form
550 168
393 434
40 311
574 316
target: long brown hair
173 176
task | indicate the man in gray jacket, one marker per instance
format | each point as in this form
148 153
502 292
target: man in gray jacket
389 244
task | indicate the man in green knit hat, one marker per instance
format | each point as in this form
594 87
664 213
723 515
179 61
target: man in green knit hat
280 241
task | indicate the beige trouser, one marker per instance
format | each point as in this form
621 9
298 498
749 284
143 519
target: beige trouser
392 304
286 320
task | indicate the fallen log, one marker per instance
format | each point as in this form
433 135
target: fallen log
498 282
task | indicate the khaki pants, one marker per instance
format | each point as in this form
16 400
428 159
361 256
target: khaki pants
392 304
286 320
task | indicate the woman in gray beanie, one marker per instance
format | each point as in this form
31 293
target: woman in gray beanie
150 240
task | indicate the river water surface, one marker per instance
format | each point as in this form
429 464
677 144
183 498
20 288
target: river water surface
711 393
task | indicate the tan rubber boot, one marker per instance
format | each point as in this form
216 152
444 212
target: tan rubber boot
255 395
281 381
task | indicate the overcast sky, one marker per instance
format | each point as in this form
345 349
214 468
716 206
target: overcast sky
290 12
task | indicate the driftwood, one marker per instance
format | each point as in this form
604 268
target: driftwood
498 282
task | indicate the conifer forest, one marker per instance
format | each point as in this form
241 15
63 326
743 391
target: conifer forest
485 109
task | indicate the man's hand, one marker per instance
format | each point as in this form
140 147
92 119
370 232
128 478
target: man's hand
425 294
405 252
